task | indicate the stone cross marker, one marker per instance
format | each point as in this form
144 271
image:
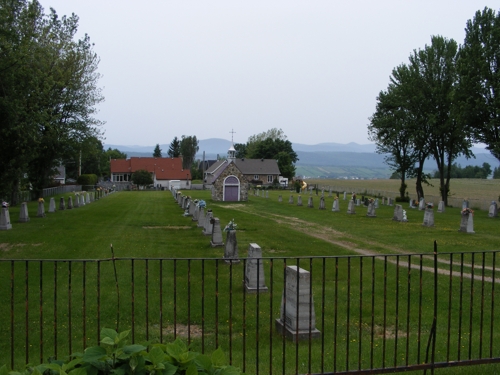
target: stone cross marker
297 316
5 219
440 207
52 205
231 249
254 270
216 233
23 213
428 218
350 208
208 228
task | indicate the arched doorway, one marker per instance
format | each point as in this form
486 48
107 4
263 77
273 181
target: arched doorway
231 189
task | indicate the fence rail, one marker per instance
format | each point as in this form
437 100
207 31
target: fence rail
60 190
376 314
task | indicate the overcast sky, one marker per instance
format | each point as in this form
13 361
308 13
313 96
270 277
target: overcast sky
311 68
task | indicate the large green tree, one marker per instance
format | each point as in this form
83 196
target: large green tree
479 78
157 151
142 177
188 149
174 150
48 92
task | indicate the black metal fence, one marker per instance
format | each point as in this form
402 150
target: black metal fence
375 314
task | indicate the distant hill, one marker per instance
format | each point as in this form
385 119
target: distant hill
333 160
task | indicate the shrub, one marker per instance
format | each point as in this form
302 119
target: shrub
114 356
87 179
404 199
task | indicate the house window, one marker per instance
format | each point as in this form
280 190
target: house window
270 179
256 177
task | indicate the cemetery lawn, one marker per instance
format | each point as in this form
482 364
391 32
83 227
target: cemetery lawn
150 224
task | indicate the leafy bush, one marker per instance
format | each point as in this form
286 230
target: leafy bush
87 179
114 356
404 199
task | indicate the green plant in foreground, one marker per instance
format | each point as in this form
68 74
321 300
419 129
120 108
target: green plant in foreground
114 356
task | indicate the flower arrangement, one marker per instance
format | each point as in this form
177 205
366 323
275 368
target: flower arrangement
231 226
5 204
467 211
40 200
371 200
202 203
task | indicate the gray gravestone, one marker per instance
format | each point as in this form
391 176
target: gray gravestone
52 205
70 202
87 198
23 213
5 219
322 203
345 195
441 207
196 213
62 204
77 201
467 223
421 204
335 207
41 209
383 201
216 233
376 203
493 211
231 249
398 213
290 200
201 218
389 201
254 270
208 228
330 193
299 201
371 209
465 204
358 202
310 202
297 319
82 199
428 218
267 194
179 199
192 207
280 199
350 208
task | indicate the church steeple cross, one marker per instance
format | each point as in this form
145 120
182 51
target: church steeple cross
232 135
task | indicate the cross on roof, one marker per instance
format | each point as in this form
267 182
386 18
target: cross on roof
232 134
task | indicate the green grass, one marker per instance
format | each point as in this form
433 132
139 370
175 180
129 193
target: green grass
151 225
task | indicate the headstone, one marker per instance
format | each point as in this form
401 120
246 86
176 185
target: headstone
335 207
192 207
322 203
345 195
254 270
330 193
465 204
398 213
323 192
383 201
358 202
201 218
62 204
421 204
257 192
231 249
208 228
82 200
290 200
179 199
216 233
23 213
297 319
87 198
267 194
440 207
467 223
280 199
411 203
299 201
376 203
92 196
70 202
371 209
77 201
196 212
41 209
428 217
52 205
310 202
493 211
5 219
350 208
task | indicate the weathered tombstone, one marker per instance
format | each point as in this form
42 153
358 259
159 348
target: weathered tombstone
87 198
52 205
297 319
441 207
310 203
231 249
330 193
257 192
390 201
493 211
358 202
299 201
62 204
216 233
23 213
280 199
465 204
5 219
335 207
201 218
428 217
376 203
196 212
254 270
398 213
467 222
411 204
345 195
179 199
192 207
350 208
383 201
208 228
371 209
267 194
290 200
70 202
41 209
77 201
82 200
322 203
92 195
421 204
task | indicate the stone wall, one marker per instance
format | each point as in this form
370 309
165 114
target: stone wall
218 185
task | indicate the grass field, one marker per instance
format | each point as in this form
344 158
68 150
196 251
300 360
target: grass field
151 225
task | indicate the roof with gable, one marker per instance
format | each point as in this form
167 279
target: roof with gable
163 168
257 166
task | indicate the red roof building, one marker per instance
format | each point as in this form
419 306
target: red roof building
163 170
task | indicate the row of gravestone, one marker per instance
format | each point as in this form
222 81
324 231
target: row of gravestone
290 324
81 199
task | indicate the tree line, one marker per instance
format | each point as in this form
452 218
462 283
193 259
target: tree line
445 99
